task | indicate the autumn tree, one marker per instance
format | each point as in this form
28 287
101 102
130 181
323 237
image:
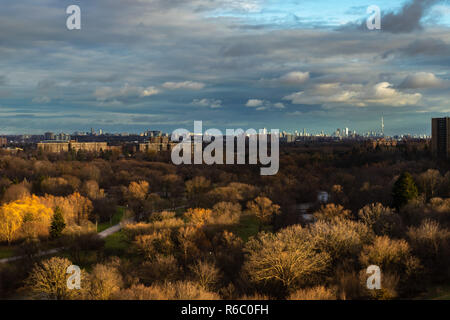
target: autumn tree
16 192
104 282
314 293
429 182
206 274
138 190
26 215
158 242
160 268
382 220
10 223
49 279
394 257
286 258
226 213
171 185
196 188
263 209
341 239
56 186
199 216
92 191
332 211
431 242
192 242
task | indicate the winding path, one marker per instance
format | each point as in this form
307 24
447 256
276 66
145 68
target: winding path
105 233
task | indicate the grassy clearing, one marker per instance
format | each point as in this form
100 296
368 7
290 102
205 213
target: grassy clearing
7 251
117 217
437 293
116 244
248 226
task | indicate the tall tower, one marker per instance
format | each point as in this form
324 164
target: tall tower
382 126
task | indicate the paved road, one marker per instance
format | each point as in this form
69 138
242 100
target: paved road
44 253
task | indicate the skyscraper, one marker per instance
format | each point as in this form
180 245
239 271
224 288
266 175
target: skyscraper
382 126
440 137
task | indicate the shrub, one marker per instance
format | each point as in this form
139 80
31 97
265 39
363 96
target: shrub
431 243
161 268
263 209
226 213
158 242
161 216
341 239
206 274
382 220
393 257
104 282
315 293
198 216
331 212
180 290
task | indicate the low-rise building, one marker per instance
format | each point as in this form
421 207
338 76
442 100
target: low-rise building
157 144
65 146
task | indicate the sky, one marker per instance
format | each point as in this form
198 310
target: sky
139 65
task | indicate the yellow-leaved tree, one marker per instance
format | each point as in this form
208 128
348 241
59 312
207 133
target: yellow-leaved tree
10 222
199 216
26 217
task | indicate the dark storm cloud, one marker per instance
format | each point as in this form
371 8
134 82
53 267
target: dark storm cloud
426 47
408 19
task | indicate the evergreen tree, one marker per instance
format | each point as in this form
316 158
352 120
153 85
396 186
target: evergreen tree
404 190
58 224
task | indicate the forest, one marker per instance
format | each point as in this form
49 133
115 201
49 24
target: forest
225 231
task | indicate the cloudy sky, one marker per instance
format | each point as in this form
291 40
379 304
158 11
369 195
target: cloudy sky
285 64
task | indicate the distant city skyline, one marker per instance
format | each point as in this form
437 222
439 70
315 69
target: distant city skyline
285 65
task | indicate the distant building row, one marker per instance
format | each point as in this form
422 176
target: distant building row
155 144
62 146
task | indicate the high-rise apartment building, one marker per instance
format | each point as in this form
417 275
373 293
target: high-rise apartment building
440 137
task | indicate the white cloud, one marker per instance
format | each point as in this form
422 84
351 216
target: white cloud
242 5
295 77
127 91
150 91
211 103
253 103
421 80
336 94
263 104
189 85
